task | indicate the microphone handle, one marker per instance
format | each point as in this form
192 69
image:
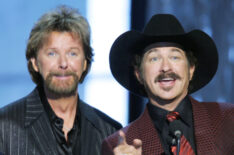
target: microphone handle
178 146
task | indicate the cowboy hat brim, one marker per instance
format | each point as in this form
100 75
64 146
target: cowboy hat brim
132 42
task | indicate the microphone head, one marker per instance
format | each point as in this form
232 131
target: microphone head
178 133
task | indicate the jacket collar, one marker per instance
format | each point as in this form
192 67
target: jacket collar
34 108
90 113
147 133
204 137
37 122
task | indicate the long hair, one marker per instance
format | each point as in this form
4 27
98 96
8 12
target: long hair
62 19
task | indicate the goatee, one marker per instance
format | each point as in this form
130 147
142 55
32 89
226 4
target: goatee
62 87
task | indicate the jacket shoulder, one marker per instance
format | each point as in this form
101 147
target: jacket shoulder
220 114
217 107
108 119
95 116
14 109
220 111
12 118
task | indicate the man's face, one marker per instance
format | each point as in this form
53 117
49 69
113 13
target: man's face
61 62
165 73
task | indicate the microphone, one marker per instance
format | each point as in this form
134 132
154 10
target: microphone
178 135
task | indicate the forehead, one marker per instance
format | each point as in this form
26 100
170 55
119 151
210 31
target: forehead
56 35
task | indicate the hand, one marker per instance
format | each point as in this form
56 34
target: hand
124 149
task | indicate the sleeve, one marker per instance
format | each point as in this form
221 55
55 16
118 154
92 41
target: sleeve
106 149
1 140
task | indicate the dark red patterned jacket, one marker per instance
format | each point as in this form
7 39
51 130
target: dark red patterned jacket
214 131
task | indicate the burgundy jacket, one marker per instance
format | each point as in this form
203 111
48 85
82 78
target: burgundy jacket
213 125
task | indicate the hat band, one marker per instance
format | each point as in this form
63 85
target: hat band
163 44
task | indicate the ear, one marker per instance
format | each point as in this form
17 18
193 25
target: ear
34 64
191 71
85 65
138 76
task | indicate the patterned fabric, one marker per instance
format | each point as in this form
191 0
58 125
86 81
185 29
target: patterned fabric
213 124
25 128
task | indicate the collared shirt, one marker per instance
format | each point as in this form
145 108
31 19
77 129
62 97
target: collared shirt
165 130
72 145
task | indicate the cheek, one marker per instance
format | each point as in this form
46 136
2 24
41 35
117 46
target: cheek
185 74
77 65
181 69
46 66
150 74
152 70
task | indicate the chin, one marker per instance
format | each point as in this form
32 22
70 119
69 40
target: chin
168 95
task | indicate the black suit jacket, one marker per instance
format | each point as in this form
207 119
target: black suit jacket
25 128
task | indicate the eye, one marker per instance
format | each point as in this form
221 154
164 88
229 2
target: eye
71 53
51 53
154 59
175 57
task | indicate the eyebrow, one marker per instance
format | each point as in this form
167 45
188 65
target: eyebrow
177 50
174 49
152 50
54 48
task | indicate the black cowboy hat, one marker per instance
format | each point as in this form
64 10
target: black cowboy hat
162 28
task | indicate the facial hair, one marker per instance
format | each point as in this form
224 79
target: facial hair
61 88
172 75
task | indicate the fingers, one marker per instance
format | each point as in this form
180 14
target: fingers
123 148
137 143
122 138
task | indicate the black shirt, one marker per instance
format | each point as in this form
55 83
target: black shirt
72 145
166 130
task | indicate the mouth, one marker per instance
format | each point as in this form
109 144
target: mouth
62 77
167 77
167 81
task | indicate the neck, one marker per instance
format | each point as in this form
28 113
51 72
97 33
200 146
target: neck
65 108
63 105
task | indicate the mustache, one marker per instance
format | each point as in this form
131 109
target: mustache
67 73
167 75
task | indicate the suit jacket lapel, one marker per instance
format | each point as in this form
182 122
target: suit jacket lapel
89 114
37 122
148 135
204 137
87 136
92 131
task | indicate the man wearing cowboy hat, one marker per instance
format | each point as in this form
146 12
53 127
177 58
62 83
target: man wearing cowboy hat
166 64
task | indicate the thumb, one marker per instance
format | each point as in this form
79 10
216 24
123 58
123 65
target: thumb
137 143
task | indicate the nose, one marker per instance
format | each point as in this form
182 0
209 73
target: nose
63 62
165 66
